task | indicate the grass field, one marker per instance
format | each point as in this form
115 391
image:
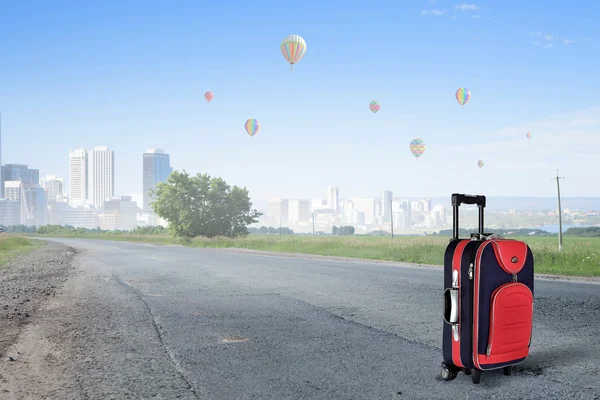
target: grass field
12 246
580 256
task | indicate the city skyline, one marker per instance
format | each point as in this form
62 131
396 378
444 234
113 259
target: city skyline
316 126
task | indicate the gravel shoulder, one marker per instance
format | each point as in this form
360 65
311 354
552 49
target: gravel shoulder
25 283
93 338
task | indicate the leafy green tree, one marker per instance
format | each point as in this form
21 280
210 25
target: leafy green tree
203 206
334 230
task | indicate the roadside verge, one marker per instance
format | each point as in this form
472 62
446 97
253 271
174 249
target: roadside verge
26 280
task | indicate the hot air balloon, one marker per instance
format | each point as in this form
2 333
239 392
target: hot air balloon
374 106
293 48
462 96
528 135
208 96
417 147
480 163
252 127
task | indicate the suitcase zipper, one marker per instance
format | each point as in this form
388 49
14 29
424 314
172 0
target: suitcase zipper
471 271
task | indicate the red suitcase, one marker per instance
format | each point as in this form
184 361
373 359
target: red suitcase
488 300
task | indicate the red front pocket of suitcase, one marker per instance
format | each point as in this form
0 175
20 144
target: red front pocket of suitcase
511 323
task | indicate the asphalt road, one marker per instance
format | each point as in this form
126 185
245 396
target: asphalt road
141 320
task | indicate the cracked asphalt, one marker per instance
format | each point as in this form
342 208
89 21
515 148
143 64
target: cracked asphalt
142 321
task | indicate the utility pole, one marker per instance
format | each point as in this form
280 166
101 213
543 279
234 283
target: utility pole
391 218
560 241
313 218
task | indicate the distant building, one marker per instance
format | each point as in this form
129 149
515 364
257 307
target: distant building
366 206
157 168
35 202
101 175
333 199
31 198
318 204
60 213
78 177
278 211
119 213
10 212
400 219
53 186
298 211
386 205
426 205
19 172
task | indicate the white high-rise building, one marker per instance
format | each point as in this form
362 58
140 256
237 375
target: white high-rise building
53 186
386 204
318 204
367 207
101 175
333 199
78 177
426 205
298 210
278 211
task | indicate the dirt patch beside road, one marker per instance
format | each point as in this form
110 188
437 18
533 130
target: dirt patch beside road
26 282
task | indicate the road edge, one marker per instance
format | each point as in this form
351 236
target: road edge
239 250
546 277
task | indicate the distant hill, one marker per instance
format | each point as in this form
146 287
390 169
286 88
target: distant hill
506 203
533 203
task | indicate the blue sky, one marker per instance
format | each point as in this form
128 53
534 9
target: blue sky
133 76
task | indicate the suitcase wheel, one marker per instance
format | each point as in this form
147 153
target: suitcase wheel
447 373
467 371
507 370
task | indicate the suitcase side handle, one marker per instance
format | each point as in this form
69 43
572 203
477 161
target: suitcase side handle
451 306
457 200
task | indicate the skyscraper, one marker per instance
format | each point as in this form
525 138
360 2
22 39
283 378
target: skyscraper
78 177
19 172
333 199
53 186
157 168
278 211
386 205
298 211
102 175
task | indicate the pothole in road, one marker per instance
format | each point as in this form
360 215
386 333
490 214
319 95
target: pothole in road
234 339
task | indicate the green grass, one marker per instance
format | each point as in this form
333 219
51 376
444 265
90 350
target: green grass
580 256
12 246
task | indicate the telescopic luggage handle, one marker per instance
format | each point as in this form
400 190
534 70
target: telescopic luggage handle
457 200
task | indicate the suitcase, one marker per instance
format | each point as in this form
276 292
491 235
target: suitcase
488 300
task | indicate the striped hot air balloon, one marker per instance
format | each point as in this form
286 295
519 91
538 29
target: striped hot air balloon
528 135
417 147
374 106
462 96
480 163
252 127
293 49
